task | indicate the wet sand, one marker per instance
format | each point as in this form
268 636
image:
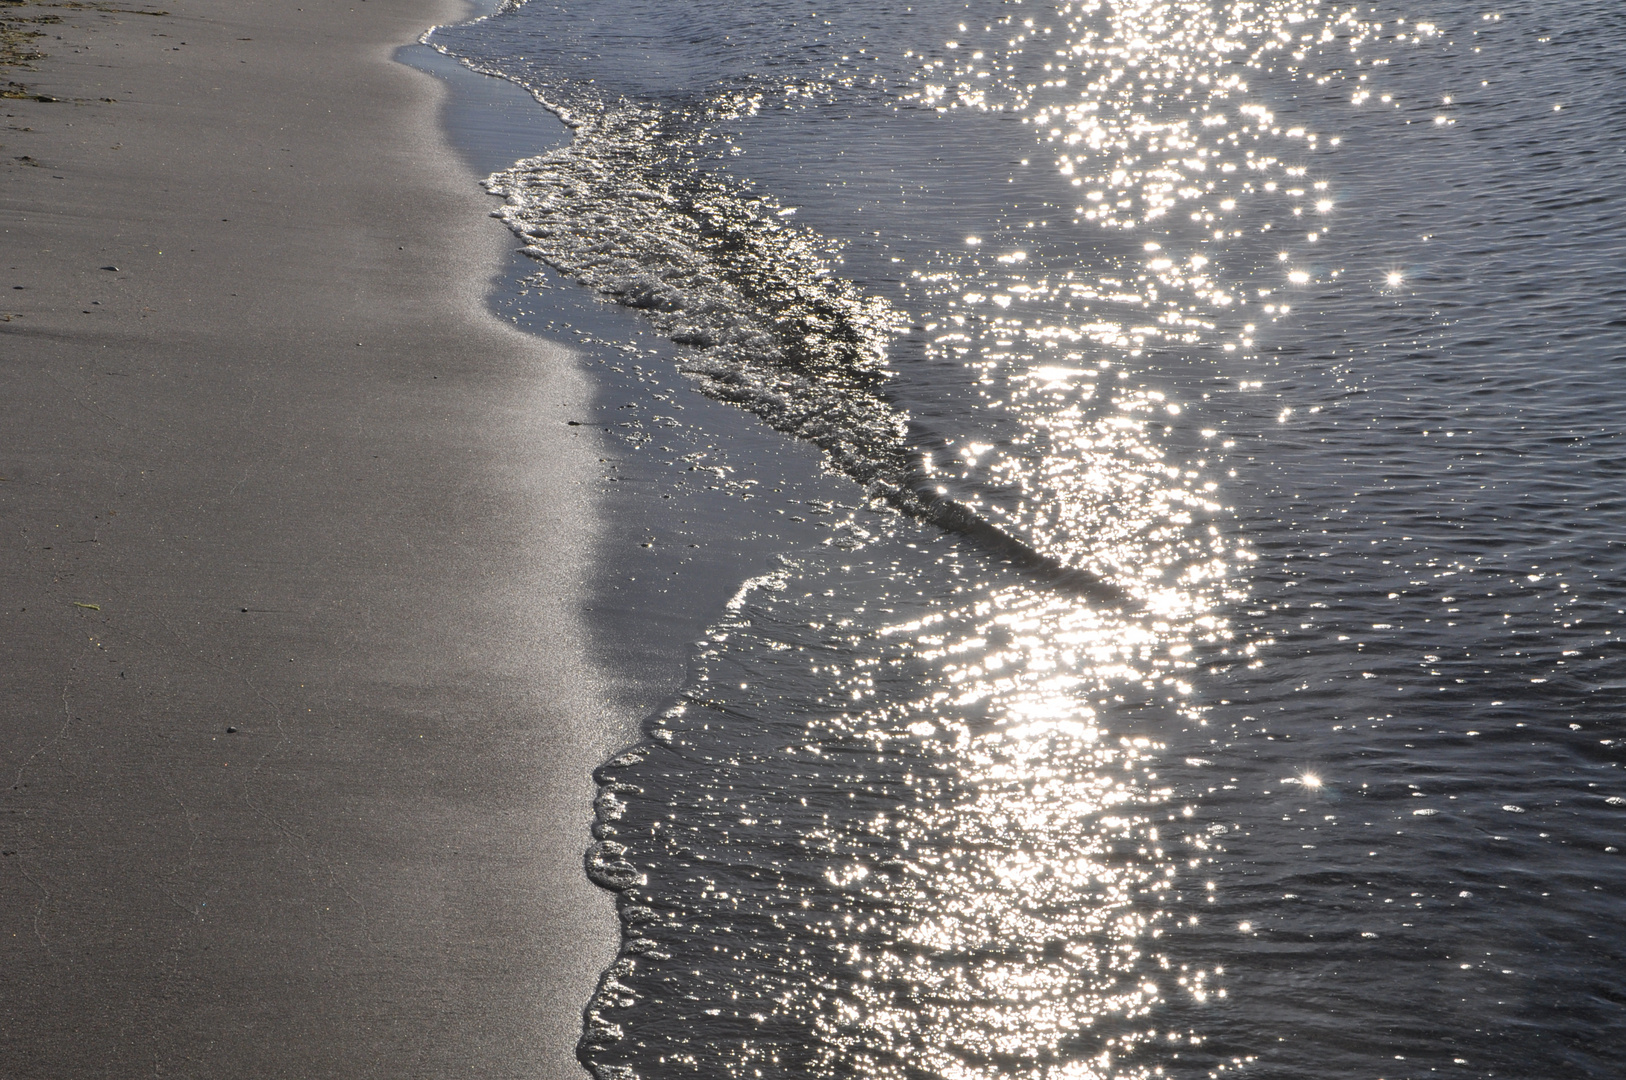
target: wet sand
296 715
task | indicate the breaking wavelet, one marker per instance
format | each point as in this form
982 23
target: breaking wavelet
769 328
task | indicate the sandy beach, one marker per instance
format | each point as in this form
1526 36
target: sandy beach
402 430
298 717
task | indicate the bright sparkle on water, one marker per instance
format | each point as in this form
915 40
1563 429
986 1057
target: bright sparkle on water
905 821
1038 869
1014 921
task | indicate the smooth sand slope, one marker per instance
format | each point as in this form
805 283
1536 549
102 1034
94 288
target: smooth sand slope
288 398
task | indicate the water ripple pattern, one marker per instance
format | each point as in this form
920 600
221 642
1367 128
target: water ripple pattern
916 849
1290 332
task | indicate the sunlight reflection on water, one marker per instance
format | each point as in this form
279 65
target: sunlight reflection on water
1226 305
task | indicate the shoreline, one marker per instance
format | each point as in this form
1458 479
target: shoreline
301 716
680 535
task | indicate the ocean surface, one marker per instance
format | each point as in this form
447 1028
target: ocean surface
1152 475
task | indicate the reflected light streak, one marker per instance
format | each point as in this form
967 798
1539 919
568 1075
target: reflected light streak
1026 939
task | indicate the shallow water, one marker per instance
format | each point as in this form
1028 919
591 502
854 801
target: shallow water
1210 661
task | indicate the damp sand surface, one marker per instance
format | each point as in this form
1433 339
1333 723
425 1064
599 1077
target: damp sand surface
299 709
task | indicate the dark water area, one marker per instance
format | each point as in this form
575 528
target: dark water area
1296 327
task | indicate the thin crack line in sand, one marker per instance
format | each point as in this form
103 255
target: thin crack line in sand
46 895
277 712
67 722
75 395
39 909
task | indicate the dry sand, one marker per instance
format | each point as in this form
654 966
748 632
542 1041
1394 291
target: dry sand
280 472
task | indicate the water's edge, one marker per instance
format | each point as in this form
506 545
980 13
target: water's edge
668 511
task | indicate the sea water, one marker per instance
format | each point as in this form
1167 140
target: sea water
1201 655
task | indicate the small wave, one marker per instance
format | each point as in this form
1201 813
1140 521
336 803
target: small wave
717 268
